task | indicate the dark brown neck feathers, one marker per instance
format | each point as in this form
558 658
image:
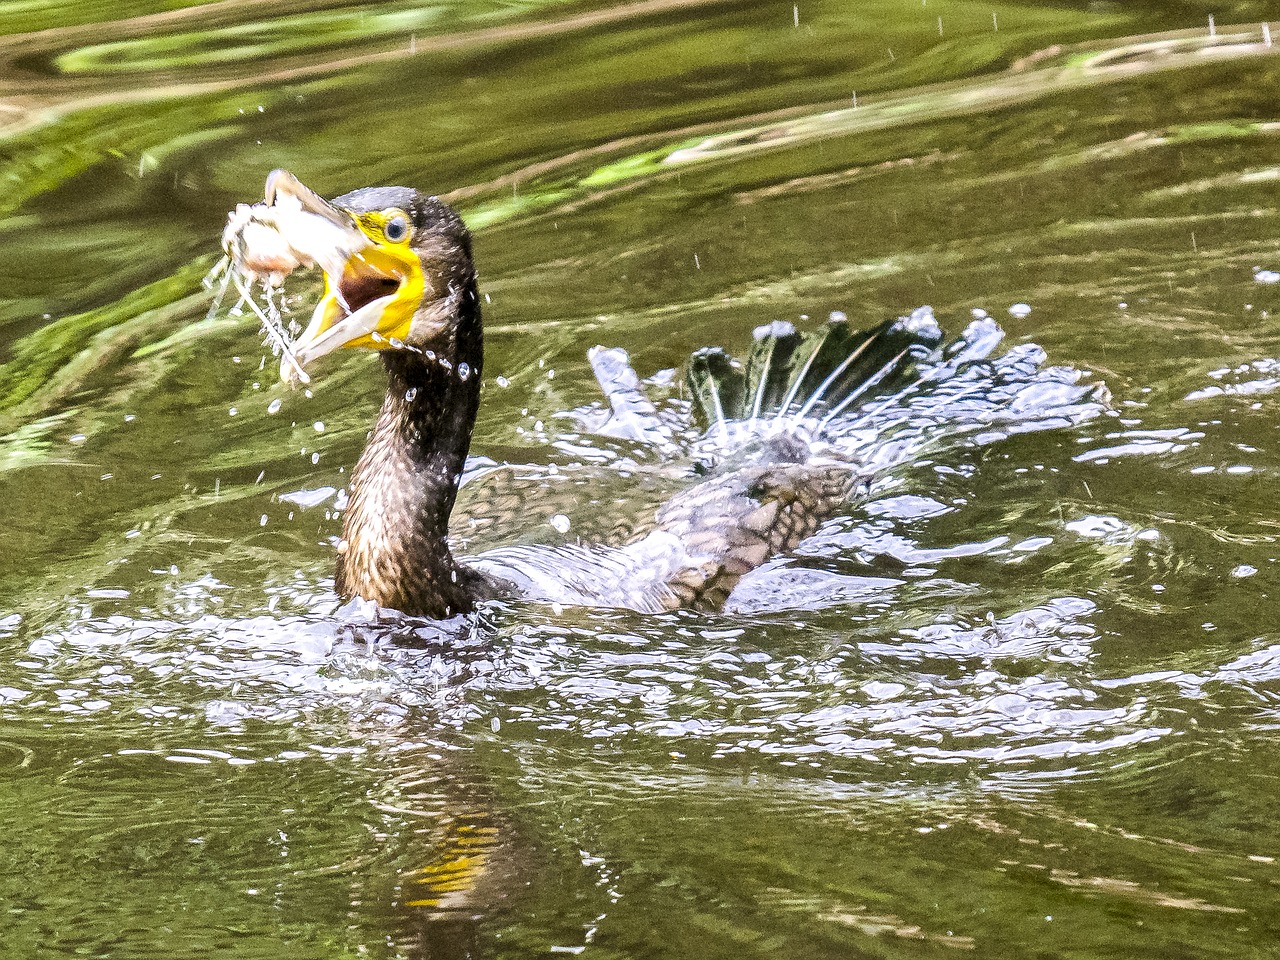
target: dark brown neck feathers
395 549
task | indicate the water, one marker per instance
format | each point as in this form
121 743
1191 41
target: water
1021 703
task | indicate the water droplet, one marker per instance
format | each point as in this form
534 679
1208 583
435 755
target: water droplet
318 426
274 406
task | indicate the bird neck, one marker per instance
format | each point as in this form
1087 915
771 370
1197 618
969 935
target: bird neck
395 549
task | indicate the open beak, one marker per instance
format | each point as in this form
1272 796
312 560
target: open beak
371 287
355 311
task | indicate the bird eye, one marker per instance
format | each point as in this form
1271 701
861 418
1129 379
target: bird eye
396 229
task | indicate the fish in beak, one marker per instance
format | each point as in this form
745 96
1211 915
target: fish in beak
373 277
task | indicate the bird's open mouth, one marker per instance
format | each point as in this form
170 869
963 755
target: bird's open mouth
358 289
363 306
372 285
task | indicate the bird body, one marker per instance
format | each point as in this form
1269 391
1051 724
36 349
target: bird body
400 279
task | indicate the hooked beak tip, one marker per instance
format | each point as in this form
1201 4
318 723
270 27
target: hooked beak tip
280 180
291 372
283 184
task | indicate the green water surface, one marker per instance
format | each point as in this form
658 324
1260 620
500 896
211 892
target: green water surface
1043 725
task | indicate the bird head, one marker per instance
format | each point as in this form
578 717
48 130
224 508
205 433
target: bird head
397 268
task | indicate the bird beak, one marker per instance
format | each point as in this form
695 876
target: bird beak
283 188
372 287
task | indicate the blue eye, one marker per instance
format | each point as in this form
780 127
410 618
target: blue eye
396 229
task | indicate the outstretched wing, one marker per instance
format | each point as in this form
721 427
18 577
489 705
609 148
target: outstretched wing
793 433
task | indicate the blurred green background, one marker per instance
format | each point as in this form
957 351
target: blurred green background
1041 727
